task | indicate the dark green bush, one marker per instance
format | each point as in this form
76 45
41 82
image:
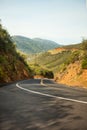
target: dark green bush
84 44
3 59
49 74
84 64
38 70
1 73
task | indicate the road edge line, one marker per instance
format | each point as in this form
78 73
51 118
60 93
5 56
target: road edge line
48 95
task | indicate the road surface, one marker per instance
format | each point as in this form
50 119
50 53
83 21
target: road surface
37 104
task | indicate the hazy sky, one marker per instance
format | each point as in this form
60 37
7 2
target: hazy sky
63 21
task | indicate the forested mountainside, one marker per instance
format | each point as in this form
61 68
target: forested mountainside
68 63
12 65
35 45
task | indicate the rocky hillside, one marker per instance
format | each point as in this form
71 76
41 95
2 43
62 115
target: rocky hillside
74 75
68 64
35 45
12 65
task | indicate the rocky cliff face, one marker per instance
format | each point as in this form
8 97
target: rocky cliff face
74 75
12 68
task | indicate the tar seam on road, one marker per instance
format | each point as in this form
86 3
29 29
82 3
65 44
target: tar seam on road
52 96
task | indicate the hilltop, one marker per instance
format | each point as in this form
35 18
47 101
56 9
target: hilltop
12 65
35 45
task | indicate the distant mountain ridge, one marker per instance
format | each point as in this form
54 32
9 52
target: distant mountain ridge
35 45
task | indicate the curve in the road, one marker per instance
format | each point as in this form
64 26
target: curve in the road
48 95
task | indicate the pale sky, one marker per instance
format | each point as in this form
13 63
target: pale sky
63 21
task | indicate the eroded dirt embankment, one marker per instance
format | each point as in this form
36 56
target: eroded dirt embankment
73 76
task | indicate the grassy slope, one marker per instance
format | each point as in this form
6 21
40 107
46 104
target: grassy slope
50 61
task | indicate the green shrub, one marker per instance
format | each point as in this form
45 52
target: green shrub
84 64
3 60
74 56
84 44
1 72
38 70
49 74
62 67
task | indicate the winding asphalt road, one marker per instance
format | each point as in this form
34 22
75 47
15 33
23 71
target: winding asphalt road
37 104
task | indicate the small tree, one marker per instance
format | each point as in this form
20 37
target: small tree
84 48
84 44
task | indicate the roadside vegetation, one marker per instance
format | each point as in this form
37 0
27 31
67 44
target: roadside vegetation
12 65
40 71
84 60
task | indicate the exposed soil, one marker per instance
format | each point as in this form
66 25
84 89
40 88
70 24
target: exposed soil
73 76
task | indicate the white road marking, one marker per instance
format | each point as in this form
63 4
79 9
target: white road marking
48 95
